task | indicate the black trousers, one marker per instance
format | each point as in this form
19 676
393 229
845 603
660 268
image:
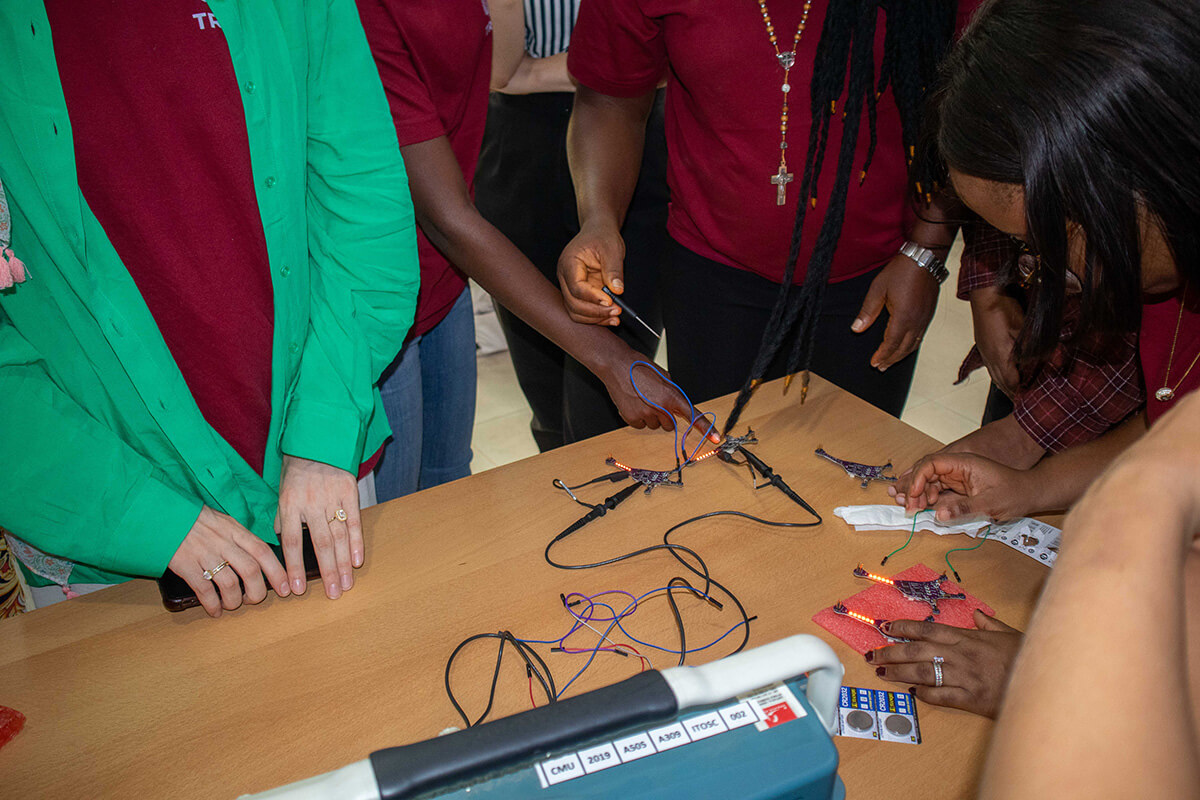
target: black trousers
715 316
523 187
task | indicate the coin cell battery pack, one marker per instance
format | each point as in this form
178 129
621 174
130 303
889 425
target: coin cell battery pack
879 715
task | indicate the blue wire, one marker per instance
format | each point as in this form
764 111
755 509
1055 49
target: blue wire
677 447
712 426
616 619
615 622
591 658
690 649
649 402
667 649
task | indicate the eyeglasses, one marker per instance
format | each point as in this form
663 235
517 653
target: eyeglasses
1029 262
1029 268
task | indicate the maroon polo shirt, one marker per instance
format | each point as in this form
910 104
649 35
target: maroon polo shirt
164 164
435 61
724 100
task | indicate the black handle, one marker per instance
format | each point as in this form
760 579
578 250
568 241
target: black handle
409 771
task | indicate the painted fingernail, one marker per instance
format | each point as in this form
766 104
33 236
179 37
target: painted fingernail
870 656
879 671
333 590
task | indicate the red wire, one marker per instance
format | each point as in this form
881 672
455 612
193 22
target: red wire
645 660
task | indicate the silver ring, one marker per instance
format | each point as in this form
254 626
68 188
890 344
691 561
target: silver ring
209 574
937 670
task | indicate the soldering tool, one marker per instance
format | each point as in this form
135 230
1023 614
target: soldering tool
621 304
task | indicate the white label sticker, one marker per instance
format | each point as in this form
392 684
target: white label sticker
670 736
563 768
597 758
632 748
739 715
705 725
766 707
776 704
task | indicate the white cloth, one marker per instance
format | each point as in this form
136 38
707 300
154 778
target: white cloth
1035 539
893 518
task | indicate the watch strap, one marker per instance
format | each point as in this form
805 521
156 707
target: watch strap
926 259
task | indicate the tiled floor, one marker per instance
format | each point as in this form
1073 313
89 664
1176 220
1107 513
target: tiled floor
935 405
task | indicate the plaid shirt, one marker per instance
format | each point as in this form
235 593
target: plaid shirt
1084 389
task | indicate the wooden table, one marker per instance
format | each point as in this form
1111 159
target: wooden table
126 700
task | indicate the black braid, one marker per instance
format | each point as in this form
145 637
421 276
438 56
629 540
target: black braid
862 74
823 96
917 36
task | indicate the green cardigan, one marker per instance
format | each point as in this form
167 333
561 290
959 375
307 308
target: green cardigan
105 458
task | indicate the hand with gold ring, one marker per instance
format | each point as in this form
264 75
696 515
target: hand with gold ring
948 666
217 541
326 499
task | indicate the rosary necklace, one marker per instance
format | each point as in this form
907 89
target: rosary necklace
1167 393
786 59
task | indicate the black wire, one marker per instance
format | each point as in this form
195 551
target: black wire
774 479
674 549
524 650
678 617
597 511
699 568
611 477
708 579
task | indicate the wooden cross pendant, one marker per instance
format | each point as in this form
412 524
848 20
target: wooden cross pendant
781 179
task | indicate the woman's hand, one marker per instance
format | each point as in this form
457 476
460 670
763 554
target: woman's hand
653 383
975 667
997 319
326 499
591 261
910 295
214 540
961 484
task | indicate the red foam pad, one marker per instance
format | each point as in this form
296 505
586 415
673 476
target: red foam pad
11 722
884 602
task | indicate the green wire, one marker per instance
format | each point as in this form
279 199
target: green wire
976 546
906 541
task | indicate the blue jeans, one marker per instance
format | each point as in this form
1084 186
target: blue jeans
429 396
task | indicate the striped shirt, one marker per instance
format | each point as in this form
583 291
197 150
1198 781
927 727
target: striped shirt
548 25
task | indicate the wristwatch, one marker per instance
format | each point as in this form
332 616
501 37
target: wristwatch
925 258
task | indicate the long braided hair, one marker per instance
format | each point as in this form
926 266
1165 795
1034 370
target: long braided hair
917 36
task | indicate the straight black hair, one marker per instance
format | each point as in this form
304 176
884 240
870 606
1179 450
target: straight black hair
1092 107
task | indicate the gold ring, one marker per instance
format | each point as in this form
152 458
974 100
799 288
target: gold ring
338 516
209 573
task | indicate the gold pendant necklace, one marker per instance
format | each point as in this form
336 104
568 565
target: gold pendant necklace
786 60
1167 393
